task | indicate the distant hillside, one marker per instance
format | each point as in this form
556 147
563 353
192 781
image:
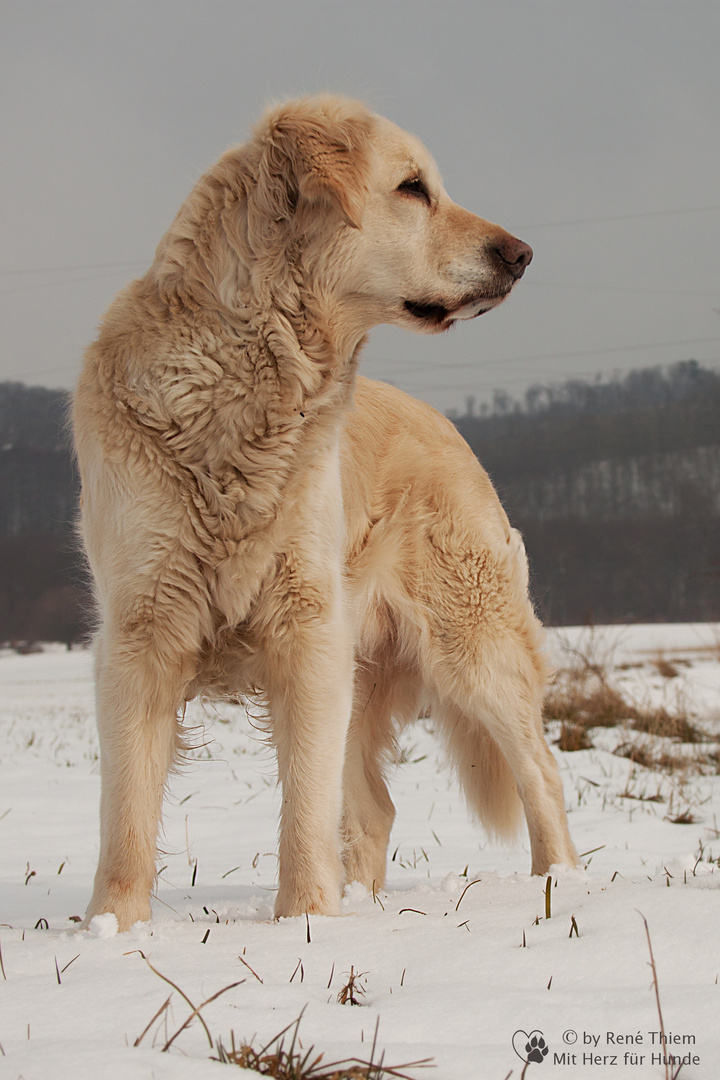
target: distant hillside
37 482
559 428
43 584
615 486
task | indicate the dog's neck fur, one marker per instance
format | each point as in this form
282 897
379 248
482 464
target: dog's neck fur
234 431
223 259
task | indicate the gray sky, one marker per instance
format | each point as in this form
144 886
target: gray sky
591 128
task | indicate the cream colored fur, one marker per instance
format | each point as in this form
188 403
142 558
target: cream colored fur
255 516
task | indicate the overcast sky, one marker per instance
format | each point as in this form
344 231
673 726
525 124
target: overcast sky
590 128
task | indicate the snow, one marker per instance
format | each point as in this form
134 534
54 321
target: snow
440 949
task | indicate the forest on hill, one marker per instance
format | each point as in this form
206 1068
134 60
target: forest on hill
614 484
616 488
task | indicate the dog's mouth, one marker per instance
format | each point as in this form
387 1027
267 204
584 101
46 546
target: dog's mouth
436 314
441 316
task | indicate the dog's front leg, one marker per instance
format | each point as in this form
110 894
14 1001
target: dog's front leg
138 697
309 675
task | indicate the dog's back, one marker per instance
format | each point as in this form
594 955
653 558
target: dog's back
415 493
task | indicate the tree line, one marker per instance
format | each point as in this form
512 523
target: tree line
616 488
614 484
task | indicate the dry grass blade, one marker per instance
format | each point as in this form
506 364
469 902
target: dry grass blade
196 1012
182 993
288 1063
468 886
64 969
250 969
157 1016
352 991
295 1024
657 993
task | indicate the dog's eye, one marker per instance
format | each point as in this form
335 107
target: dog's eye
416 187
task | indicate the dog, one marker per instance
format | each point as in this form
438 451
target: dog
257 517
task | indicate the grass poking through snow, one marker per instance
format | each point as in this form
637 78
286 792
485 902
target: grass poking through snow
585 695
285 1058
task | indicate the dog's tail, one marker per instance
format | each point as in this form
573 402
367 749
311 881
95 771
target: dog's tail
485 777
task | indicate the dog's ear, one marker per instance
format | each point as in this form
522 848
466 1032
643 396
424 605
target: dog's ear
316 150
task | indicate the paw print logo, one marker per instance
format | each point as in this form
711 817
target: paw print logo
536 1049
530 1046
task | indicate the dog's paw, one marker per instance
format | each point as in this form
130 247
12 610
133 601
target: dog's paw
125 906
307 902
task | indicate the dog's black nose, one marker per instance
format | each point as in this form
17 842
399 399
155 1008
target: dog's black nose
514 254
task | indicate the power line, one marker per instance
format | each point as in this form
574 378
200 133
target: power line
57 284
617 288
486 386
464 364
21 377
620 217
66 269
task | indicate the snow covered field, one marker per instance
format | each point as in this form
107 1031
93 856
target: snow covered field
453 970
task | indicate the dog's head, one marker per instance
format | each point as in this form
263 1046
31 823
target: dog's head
424 261
335 203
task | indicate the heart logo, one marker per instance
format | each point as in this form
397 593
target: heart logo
530 1046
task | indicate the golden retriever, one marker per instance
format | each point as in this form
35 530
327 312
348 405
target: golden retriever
256 516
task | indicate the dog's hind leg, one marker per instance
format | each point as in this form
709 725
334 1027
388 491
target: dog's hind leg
138 693
485 665
369 812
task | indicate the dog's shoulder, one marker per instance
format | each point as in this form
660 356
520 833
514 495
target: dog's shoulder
398 449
